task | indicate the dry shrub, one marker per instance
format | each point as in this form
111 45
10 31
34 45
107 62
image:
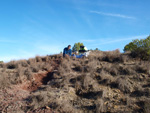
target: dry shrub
20 76
112 69
4 81
126 70
46 66
92 66
51 99
146 108
28 73
8 79
100 106
96 55
23 63
124 58
128 100
47 59
78 67
115 69
147 92
84 66
31 61
87 87
3 70
39 100
109 56
143 68
34 68
124 84
2 65
141 92
65 66
12 65
89 83
144 105
138 93
104 78
112 56
38 59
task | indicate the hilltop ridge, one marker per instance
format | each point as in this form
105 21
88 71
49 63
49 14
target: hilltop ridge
102 82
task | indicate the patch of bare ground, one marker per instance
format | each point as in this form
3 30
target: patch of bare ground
15 91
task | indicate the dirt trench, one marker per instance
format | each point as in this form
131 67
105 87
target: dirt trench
12 98
40 78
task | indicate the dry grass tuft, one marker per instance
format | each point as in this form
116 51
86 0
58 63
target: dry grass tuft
104 78
124 84
100 107
12 65
4 82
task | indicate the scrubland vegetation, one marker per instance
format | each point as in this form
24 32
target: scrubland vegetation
103 82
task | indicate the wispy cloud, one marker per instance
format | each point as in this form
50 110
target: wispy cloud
102 41
113 15
85 40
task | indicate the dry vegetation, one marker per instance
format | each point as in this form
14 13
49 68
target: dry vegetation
103 82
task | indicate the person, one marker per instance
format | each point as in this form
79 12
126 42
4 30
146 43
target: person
67 51
83 49
83 52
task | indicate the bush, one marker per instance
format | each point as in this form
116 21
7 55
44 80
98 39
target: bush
147 106
76 46
4 82
12 65
23 63
112 56
124 85
28 74
139 48
38 59
100 106
104 78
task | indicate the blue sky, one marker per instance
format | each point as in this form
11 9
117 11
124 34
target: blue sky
40 27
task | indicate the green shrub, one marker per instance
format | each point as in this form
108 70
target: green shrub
76 46
139 48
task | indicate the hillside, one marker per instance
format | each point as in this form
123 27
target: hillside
103 82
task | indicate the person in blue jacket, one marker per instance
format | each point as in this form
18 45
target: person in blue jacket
67 51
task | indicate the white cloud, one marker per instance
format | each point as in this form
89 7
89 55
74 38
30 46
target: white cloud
113 15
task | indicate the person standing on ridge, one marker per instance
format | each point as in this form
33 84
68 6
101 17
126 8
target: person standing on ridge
67 51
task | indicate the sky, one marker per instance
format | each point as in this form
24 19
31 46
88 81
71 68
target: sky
43 27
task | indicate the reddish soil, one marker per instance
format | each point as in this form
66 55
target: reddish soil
36 83
14 97
40 78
